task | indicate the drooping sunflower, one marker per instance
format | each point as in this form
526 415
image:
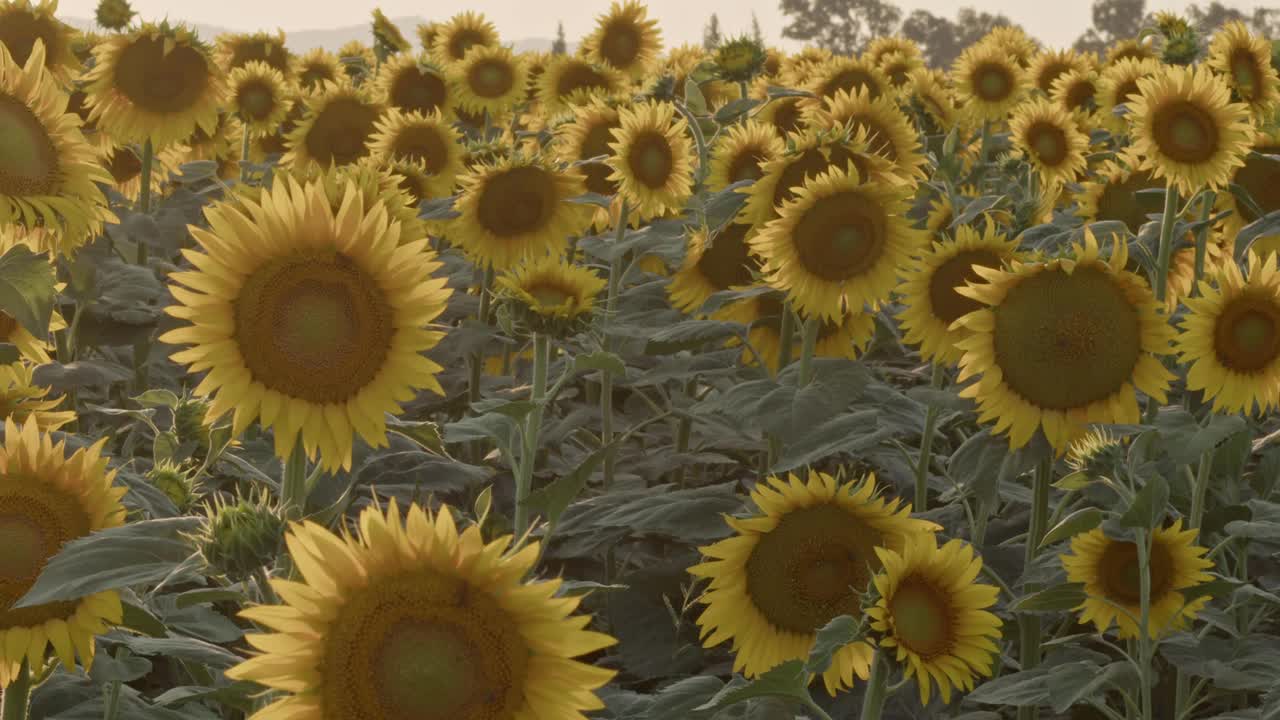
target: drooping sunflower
987 82
1049 64
309 320
625 38
460 33
652 159
427 33
260 97
316 67
1244 59
1186 129
238 49
931 303
568 81
1063 343
47 169
934 614
741 154
1231 336
888 130
425 141
803 559
928 88
414 85
838 243
22 399
387 38
712 263
1047 136
157 83
49 499
849 75
488 79
22 23
336 130
1117 84
551 288
412 614
1109 570
518 208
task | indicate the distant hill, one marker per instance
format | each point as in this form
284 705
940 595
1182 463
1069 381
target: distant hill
333 38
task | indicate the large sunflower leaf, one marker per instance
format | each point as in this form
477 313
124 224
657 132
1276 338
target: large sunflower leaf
26 289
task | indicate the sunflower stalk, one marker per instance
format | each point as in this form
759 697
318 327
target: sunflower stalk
476 361
1202 239
809 341
533 425
926 443
1164 253
293 483
244 157
877 688
17 695
606 378
1145 647
1029 624
786 331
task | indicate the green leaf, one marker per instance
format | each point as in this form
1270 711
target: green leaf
606 361
139 553
1070 683
1058 598
784 680
494 426
1082 520
693 98
678 699
26 289
1148 506
584 587
554 498
1183 439
141 620
182 648
833 636
423 432
209 595
515 409
158 397
690 335
1077 480
1028 687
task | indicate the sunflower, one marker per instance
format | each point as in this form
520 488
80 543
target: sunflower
1048 65
316 67
427 33
518 208
848 75
1109 570
931 303
77 105
741 154
1081 319
1186 129
424 141
838 243
1231 337
568 81
1130 49
1244 60
488 79
888 130
358 60
336 129
1259 176
411 618
260 97
1115 195
1117 84
414 85
551 288
125 166
845 337
928 88
987 82
157 83
460 33
23 23
50 499
881 47
1046 135
785 114
796 67
376 184
47 170
588 136
238 49
387 38
652 159
934 614
625 38
309 320
898 68
803 559
1014 42
942 212
22 399
712 263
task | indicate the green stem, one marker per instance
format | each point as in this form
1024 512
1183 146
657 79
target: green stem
17 695
985 143
144 194
533 425
786 329
244 156
877 688
293 483
606 378
1145 646
684 429
808 343
1165 251
926 443
1202 240
1029 624
1201 489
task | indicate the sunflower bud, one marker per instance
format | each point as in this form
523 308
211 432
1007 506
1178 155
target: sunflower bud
114 15
1181 48
242 536
740 60
175 483
188 421
1096 455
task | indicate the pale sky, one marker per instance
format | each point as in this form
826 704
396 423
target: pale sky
1054 22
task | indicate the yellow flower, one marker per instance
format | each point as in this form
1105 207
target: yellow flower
1109 570
889 131
336 129
1047 136
1231 337
848 75
988 83
412 84
552 288
489 79
1130 49
460 33
881 47
803 559
1076 92
625 38
934 615
411 618
1245 60
898 68
23 23
426 143
929 89
310 320
568 81
741 154
1063 343
652 159
236 50
1049 64
1114 195
22 399
1260 178
260 97
711 264
316 67
1117 85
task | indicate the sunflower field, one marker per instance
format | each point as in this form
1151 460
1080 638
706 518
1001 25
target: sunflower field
432 380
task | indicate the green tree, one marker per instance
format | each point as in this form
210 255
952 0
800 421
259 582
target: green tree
711 36
559 46
841 26
1113 20
942 40
1213 17
756 33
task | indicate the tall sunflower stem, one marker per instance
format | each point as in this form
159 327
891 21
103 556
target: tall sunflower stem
684 430
244 157
1029 625
877 688
786 331
1201 489
1202 239
606 378
1145 647
533 425
17 696
144 192
1165 252
476 361
808 343
293 483
926 443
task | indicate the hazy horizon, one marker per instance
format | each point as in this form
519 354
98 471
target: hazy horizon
1055 24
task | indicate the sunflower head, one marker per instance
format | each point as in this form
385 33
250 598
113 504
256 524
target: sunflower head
1244 60
413 84
387 38
1096 454
805 556
1130 49
23 23
888 130
1047 136
241 535
237 49
588 136
114 15
21 398
625 38
316 67
551 295
712 263
988 82
568 81
1049 64
928 89
1117 85
336 129
1014 42
175 482
742 152
260 97
1076 92
741 59
357 60
850 75
489 79
460 33
426 142
652 159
